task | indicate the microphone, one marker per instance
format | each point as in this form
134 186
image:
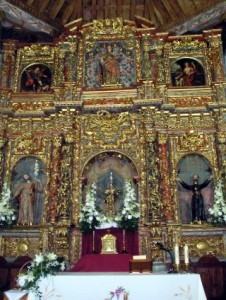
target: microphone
162 247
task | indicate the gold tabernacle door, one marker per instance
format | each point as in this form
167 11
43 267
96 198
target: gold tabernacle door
108 244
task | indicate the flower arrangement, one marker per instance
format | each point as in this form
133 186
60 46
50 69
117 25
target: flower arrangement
7 213
118 292
129 217
89 217
41 266
217 213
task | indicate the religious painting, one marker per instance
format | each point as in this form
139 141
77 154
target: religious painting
28 189
36 78
110 172
110 64
191 168
187 72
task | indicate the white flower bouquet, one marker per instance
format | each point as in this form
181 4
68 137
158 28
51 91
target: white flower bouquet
217 213
129 217
89 217
7 213
41 266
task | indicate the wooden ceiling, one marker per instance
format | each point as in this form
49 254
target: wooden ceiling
176 16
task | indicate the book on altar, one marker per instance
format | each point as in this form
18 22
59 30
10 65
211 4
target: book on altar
139 257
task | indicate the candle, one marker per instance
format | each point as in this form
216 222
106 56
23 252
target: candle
186 254
176 253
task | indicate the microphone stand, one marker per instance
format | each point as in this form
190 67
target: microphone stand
162 247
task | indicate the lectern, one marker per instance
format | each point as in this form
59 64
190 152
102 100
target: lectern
140 265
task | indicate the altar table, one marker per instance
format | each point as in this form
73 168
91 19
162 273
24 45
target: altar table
102 263
98 286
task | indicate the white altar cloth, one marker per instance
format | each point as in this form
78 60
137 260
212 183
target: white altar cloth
97 286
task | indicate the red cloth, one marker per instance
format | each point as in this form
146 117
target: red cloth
131 241
102 263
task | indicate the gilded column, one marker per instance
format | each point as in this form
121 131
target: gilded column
65 194
216 55
146 59
169 209
153 179
7 76
160 62
221 137
55 177
2 143
143 176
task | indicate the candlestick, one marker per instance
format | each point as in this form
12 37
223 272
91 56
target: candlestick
186 254
176 253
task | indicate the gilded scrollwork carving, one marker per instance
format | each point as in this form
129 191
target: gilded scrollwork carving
64 204
20 246
155 208
193 141
200 245
105 130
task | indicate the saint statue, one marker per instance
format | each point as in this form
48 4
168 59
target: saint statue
197 203
111 194
25 191
110 71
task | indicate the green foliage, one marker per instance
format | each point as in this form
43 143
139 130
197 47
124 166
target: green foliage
42 266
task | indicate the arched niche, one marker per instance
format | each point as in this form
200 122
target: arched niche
36 78
34 168
188 166
99 169
187 71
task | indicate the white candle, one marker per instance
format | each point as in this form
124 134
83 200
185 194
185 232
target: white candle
176 253
186 254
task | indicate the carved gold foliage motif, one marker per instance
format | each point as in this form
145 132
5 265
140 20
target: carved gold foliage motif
187 44
194 141
108 26
105 130
19 246
28 144
189 101
31 106
201 245
38 50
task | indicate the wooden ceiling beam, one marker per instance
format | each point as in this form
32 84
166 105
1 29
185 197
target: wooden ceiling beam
149 7
94 9
160 14
30 2
119 8
106 9
56 8
171 10
67 14
76 12
43 5
197 3
186 6
133 10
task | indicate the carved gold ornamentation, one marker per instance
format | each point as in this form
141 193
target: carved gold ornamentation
193 141
187 44
108 26
190 101
19 246
200 245
152 123
37 50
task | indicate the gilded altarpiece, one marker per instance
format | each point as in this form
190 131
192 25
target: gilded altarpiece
112 99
